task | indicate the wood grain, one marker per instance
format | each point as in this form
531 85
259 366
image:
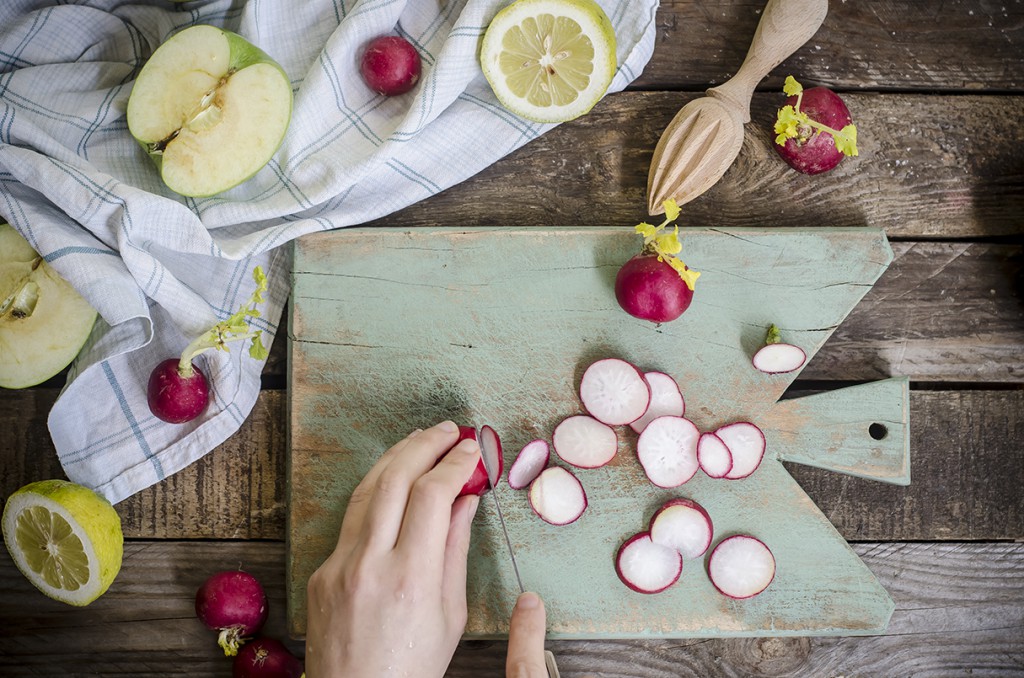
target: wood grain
958 611
879 45
929 167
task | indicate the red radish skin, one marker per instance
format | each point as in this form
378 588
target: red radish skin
390 65
667 451
614 392
651 290
647 567
479 482
177 398
530 461
234 603
779 358
815 151
557 496
682 524
746 443
714 456
741 567
585 442
266 658
666 400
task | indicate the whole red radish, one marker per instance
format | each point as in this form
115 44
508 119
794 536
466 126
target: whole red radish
232 602
178 390
655 285
266 658
490 458
390 65
814 129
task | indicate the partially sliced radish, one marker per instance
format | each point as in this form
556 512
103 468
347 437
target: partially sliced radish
667 450
746 442
530 461
490 454
614 392
666 400
714 456
741 566
585 442
647 567
779 358
557 496
682 524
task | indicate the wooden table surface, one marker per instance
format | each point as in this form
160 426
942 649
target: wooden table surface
937 92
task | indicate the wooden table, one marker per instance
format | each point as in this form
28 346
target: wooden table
937 92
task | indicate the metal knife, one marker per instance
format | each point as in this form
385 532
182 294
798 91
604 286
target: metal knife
549 658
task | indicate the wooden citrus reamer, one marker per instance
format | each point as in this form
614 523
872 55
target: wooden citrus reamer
705 136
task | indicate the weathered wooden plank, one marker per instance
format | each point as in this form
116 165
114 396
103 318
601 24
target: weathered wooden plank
929 167
959 610
875 45
966 454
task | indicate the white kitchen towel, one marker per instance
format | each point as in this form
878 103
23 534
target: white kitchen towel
160 268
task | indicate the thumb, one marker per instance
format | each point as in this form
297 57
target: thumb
526 639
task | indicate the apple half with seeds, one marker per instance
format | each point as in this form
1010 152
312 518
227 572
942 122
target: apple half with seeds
210 109
44 322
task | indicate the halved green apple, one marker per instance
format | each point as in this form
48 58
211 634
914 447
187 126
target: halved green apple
210 108
43 321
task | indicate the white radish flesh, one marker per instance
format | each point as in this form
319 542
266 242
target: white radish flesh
713 456
614 392
667 450
779 358
490 453
557 496
666 400
683 525
746 442
530 461
585 442
741 566
647 567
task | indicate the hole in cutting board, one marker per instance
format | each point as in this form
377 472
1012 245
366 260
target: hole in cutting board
878 431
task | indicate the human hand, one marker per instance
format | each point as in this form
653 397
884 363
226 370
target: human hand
526 639
391 598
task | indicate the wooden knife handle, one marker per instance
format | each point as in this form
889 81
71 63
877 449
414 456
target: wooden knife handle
784 27
549 661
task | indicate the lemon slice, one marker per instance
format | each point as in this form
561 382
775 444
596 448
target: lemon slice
65 539
549 60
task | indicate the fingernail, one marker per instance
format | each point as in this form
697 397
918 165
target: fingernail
448 426
528 601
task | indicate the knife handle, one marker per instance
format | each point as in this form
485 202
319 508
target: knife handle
549 661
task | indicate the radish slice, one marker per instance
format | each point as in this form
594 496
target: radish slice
779 358
585 442
532 459
666 400
490 454
667 450
741 566
714 456
614 392
746 443
557 496
647 567
683 525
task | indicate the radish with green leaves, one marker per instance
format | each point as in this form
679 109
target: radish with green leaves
178 391
776 356
814 129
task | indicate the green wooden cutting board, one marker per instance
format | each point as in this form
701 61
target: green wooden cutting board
394 329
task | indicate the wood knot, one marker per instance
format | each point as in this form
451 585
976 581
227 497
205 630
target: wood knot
772 656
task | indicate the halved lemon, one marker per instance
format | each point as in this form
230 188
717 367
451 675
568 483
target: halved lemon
549 60
65 539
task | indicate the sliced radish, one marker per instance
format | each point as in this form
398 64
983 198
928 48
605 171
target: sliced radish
614 392
746 442
779 358
490 454
647 567
741 566
683 525
557 496
667 450
713 456
585 442
530 461
666 400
